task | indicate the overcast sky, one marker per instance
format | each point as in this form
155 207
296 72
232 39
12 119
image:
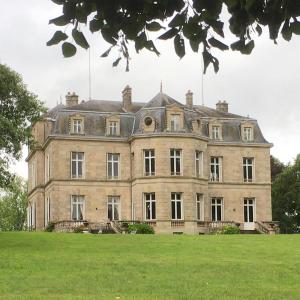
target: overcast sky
264 85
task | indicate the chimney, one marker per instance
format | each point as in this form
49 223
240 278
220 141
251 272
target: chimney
71 99
189 99
127 98
222 106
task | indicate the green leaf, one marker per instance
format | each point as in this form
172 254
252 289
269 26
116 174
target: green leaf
116 62
80 39
154 26
59 21
108 35
57 38
286 31
59 2
194 43
258 30
248 48
217 44
178 20
68 49
169 34
179 46
106 53
295 27
150 46
96 25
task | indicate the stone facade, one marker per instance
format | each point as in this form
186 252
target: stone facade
99 151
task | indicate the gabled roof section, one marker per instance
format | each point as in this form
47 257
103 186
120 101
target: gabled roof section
161 100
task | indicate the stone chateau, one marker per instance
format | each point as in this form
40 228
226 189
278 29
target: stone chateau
182 168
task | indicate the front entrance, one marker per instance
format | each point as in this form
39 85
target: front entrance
249 214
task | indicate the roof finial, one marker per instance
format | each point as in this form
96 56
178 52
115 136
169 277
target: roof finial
161 86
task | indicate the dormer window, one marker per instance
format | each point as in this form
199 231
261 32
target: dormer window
175 122
216 132
247 134
113 125
77 126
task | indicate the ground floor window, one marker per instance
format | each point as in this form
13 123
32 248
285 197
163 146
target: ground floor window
249 210
150 206
216 209
77 207
47 210
31 216
176 206
199 207
113 208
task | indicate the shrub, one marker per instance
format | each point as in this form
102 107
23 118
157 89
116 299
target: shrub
142 228
229 230
50 227
79 229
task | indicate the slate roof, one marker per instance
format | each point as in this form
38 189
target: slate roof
95 112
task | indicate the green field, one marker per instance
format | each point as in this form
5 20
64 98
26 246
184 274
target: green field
79 266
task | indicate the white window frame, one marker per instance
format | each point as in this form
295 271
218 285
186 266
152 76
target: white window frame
216 205
113 128
78 200
47 210
77 126
247 134
175 122
149 157
199 163
216 163
47 168
199 207
77 160
174 157
247 165
149 201
175 201
215 132
112 162
33 174
247 205
114 201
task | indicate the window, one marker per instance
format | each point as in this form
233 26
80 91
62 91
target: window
150 206
77 126
248 166
215 132
149 162
33 175
113 208
199 163
113 165
77 207
47 210
216 169
175 122
249 210
31 217
47 168
176 206
216 209
113 128
247 134
175 160
77 165
199 207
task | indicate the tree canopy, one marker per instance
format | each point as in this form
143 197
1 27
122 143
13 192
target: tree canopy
13 204
200 22
277 167
286 198
19 108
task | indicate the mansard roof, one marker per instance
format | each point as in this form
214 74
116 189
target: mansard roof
96 111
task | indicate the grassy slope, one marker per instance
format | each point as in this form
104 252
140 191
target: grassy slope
76 266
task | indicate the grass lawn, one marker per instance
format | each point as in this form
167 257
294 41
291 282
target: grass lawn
79 266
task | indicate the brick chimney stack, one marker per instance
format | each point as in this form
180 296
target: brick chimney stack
189 99
127 98
222 106
71 99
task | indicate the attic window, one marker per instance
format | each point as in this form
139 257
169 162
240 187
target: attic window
77 126
148 121
247 134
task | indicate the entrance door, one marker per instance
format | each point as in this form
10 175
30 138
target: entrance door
249 213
